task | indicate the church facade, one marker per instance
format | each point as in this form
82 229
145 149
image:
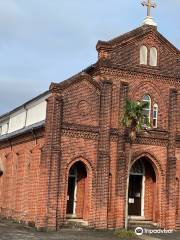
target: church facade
65 154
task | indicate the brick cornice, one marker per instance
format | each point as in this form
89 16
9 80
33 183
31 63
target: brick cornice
153 137
80 134
141 71
58 87
79 127
132 36
125 37
80 131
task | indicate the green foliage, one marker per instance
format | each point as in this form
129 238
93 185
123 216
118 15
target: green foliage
134 118
124 234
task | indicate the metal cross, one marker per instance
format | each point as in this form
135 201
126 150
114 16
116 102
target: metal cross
149 5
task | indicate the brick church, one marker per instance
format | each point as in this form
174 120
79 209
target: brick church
64 155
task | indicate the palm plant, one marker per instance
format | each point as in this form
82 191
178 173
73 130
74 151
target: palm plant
134 120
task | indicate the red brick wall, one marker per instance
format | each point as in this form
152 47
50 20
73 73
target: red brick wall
139 85
113 208
84 124
126 52
149 196
178 114
83 150
129 53
155 145
18 184
81 104
178 187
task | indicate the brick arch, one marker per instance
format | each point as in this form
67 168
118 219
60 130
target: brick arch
6 155
7 181
147 84
36 147
154 161
20 152
147 87
87 215
158 208
86 162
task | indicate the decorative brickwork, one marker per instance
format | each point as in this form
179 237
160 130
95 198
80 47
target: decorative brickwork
83 129
103 157
171 161
121 161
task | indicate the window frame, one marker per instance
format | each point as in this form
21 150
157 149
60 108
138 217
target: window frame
155 118
140 55
150 54
148 109
149 49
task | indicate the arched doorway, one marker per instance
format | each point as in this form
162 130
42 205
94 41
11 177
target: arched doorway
77 191
142 192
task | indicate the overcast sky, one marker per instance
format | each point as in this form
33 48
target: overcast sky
49 40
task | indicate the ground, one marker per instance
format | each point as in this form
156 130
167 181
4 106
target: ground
15 231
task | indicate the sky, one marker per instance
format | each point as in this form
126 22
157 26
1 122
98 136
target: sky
44 41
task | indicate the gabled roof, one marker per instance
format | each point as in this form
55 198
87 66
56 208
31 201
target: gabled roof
136 33
129 36
64 83
76 78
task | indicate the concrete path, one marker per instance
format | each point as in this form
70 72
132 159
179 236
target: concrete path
14 231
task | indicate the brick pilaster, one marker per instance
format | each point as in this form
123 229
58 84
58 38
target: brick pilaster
171 161
121 162
103 158
50 164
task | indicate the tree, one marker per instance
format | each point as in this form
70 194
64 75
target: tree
134 120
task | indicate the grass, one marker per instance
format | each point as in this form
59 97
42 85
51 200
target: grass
126 234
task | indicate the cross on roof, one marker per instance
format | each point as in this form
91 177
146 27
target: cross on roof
149 5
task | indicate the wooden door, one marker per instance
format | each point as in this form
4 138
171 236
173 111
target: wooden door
135 195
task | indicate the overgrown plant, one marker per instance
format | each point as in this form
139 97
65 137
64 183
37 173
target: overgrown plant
123 234
134 118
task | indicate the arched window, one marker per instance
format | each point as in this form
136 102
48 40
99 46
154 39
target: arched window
153 57
155 115
137 168
73 171
147 110
143 55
